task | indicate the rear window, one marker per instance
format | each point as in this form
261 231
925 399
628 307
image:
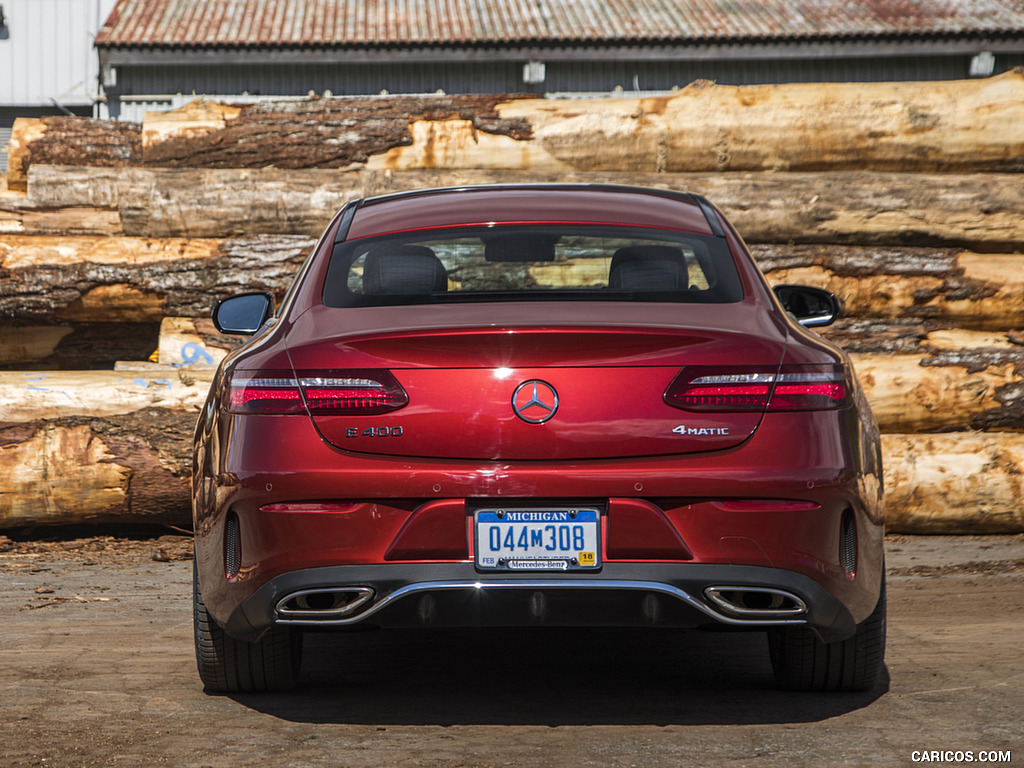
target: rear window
531 263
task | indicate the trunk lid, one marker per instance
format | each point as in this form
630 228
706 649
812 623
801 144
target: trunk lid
537 392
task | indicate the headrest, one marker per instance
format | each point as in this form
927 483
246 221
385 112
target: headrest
405 269
649 268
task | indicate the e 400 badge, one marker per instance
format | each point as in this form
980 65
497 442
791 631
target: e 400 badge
373 432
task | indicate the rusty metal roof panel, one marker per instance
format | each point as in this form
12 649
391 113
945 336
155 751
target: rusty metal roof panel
334 23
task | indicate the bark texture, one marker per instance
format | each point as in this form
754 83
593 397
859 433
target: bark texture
980 212
140 280
972 290
98 446
315 133
18 215
962 389
131 468
30 396
64 140
947 126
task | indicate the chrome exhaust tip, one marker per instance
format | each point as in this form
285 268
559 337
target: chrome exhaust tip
756 602
328 603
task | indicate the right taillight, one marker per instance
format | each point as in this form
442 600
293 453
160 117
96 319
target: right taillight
332 392
754 388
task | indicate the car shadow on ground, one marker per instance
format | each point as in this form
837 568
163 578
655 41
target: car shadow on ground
547 677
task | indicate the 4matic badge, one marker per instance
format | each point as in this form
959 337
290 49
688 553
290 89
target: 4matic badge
682 429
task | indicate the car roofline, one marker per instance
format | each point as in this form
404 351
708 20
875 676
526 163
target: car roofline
685 197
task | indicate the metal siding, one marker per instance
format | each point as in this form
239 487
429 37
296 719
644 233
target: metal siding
5 136
340 79
506 77
47 53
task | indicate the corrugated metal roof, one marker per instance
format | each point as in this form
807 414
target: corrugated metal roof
316 23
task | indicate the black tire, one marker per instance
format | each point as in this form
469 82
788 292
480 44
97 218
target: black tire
802 662
229 665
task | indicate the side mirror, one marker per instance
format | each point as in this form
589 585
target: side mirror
243 313
812 307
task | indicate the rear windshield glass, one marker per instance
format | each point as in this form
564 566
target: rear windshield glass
532 263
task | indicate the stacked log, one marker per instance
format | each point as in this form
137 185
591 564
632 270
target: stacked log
904 199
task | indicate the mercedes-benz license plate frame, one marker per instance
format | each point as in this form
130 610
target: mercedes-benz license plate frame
532 539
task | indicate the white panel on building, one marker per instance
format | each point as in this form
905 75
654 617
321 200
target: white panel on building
46 51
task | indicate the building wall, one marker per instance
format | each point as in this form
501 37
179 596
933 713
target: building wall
46 51
48 65
154 87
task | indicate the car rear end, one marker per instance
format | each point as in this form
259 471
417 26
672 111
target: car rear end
573 407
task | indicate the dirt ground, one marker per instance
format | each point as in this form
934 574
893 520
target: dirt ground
97 669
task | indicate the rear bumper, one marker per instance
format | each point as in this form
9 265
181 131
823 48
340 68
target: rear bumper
407 525
622 594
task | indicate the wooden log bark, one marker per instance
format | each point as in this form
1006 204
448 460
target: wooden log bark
981 212
871 335
921 127
954 484
316 133
19 215
956 390
95 279
98 446
972 290
60 140
945 126
130 468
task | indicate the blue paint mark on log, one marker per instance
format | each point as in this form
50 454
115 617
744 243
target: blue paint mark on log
192 353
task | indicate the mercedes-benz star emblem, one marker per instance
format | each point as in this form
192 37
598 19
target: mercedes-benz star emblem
535 401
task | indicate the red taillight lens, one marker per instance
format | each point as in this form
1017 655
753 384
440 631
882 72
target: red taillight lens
340 393
748 388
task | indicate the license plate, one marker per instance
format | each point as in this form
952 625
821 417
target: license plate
564 539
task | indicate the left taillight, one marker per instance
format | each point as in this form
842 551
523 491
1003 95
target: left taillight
330 392
751 388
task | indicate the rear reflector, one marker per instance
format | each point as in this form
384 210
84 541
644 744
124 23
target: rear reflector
339 393
766 505
308 507
748 388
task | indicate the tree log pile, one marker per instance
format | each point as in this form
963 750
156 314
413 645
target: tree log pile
904 199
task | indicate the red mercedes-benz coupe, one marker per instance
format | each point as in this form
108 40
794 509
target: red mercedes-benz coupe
563 405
